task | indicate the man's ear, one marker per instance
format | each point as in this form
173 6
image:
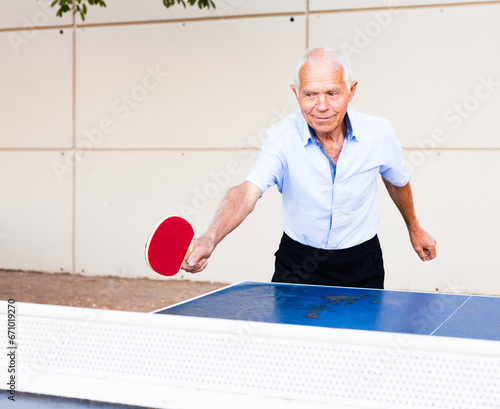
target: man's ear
352 91
294 90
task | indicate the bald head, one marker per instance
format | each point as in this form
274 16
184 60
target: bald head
327 56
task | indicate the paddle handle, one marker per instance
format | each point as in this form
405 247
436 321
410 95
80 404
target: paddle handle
188 252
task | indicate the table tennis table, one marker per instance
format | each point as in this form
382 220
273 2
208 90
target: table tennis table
269 345
402 312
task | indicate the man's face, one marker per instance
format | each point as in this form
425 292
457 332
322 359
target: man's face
323 96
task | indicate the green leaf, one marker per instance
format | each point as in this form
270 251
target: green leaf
80 6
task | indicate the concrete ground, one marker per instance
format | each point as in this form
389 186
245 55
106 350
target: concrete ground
124 294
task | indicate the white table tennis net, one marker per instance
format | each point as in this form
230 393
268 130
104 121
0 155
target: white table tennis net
163 361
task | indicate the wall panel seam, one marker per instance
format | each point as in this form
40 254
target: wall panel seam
306 13
403 7
153 22
73 248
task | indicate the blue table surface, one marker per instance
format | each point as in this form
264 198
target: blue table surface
452 315
34 401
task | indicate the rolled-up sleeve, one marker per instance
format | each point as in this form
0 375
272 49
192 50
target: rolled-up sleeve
269 167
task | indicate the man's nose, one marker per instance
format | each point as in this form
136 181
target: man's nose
321 104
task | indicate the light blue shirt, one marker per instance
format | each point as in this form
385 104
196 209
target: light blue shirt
327 206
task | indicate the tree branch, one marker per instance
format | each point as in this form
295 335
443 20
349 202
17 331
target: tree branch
80 6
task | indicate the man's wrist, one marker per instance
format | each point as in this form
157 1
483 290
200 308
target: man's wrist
211 238
413 227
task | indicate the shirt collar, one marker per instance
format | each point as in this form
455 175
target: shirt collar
348 126
309 136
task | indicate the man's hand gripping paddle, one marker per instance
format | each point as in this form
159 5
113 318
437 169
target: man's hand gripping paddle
169 245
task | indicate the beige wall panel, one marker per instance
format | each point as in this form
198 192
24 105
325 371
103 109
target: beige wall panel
323 5
36 209
36 84
121 196
141 86
433 71
30 14
153 10
456 203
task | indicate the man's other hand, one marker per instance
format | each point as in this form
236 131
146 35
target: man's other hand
423 243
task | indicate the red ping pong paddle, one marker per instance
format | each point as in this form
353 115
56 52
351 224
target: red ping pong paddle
169 245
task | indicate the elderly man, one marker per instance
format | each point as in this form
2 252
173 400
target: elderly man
325 160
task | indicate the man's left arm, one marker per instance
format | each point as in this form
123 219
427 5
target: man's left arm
423 243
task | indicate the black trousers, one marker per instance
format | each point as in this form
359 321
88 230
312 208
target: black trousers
359 266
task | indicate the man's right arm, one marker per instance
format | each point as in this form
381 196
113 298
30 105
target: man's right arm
238 203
